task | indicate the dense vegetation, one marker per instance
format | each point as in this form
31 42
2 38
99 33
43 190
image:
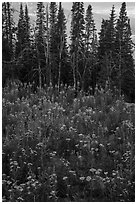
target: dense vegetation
60 148
68 129
40 52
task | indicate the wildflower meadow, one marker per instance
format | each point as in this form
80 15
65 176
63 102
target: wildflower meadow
60 147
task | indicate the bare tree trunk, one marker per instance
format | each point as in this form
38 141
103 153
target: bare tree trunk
60 56
39 67
48 74
59 76
108 70
120 74
40 81
84 72
74 70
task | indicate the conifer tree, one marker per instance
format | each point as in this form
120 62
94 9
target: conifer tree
63 63
5 41
7 32
111 32
23 46
27 27
90 30
124 54
102 39
90 49
40 42
53 43
106 50
77 40
102 75
20 32
40 28
9 15
47 52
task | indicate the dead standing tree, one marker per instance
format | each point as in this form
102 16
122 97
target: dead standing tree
60 57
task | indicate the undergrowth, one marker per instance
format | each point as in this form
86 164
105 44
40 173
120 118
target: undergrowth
58 147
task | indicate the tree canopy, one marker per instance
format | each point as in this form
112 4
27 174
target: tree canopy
91 59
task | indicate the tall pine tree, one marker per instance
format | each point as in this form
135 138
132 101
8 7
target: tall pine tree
47 37
5 36
20 32
102 74
89 73
77 40
41 42
7 32
124 54
111 31
90 30
27 27
53 43
106 50
23 46
62 49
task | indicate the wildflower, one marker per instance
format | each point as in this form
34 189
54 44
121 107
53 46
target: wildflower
40 144
20 199
76 145
98 171
14 163
92 170
80 157
105 173
29 164
112 108
65 178
22 185
53 192
92 150
53 175
8 182
71 129
29 177
63 127
85 145
72 172
81 135
33 184
54 152
82 178
101 145
114 174
88 178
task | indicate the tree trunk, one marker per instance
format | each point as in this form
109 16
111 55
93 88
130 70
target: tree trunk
74 70
39 69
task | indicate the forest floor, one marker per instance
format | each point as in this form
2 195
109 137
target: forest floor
60 148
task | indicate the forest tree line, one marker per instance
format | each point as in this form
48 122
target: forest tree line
40 53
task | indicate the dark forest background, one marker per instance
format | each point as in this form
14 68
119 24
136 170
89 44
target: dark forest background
40 54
